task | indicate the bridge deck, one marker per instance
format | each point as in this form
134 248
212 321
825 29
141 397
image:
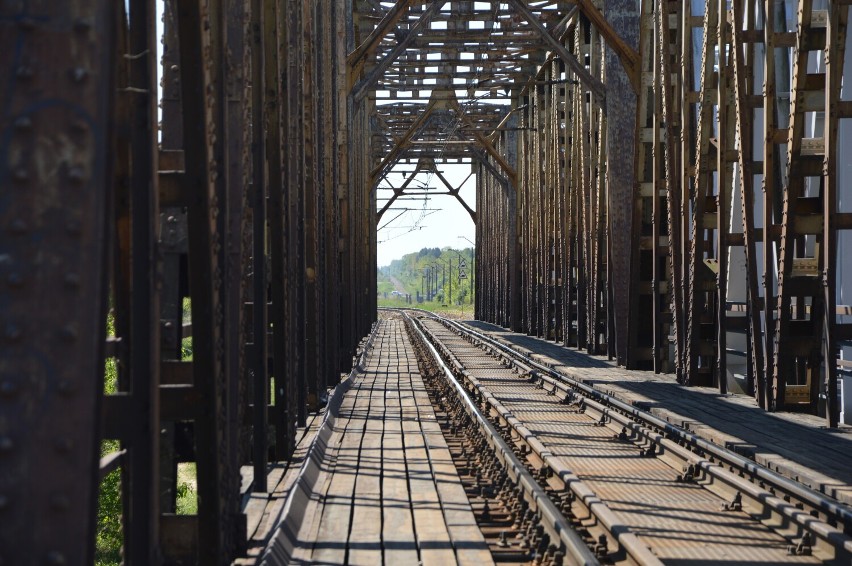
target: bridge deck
793 444
384 488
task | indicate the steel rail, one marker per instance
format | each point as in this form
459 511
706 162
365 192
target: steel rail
827 505
629 543
553 521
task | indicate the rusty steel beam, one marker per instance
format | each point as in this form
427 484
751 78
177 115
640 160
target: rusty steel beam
362 87
56 119
198 28
621 131
592 83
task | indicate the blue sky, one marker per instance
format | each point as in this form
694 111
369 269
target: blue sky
404 232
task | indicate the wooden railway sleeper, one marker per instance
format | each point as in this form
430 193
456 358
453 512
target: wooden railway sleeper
537 528
780 515
599 519
828 510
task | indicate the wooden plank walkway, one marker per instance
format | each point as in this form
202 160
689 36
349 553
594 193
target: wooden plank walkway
385 488
793 444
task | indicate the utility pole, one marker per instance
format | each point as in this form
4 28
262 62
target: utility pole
472 266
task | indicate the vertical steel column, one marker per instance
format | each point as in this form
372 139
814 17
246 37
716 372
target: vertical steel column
143 438
259 353
671 105
308 315
57 109
273 17
701 347
623 16
743 55
197 28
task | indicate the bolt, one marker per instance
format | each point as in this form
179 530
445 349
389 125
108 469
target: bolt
15 279
21 175
66 388
79 74
82 25
55 558
4 501
72 280
6 444
27 24
60 502
73 227
13 332
76 175
23 123
502 542
64 445
68 333
8 389
24 72
18 226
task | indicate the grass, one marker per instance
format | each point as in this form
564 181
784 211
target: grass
109 535
187 491
464 311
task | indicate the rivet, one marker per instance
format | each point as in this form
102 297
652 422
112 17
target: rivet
4 501
15 279
63 445
6 444
55 558
12 332
175 68
8 388
73 227
23 123
21 175
79 126
18 226
26 24
72 280
79 74
24 72
66 388
76 175
68 333
82 25
60 502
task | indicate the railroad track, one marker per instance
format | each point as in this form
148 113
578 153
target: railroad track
632 488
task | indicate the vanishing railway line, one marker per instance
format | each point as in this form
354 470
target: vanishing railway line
632 488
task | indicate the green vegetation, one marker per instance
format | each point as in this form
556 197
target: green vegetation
108 537
464 312
187 495
109 528
412 270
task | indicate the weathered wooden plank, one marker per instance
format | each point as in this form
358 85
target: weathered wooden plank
398 536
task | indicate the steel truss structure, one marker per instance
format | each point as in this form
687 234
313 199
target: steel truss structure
658 181
640 215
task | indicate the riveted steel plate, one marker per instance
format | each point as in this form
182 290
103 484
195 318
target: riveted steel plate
56 98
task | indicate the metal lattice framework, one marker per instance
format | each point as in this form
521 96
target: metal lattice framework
658 181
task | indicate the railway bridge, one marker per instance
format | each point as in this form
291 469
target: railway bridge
657 370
